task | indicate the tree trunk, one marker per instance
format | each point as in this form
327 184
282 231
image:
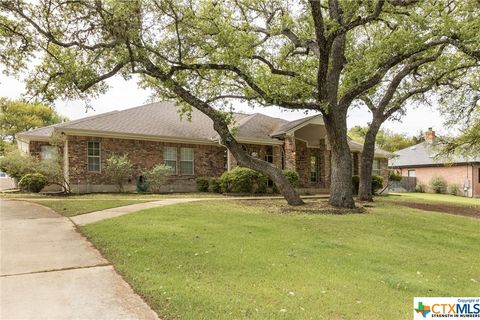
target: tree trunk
221 127
366 163
341 190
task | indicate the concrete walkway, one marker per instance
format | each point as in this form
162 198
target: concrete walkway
92 217
49 271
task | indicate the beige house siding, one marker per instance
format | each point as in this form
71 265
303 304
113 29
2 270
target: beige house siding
452 174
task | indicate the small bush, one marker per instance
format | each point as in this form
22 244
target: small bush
215 185
243 180
377 183
293 177
420 187
202 184
119 169
438 184
157 177
16 165
453 189
33 182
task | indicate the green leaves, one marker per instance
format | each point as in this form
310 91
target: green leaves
18 116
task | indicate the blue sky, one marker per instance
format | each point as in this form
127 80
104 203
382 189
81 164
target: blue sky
126 94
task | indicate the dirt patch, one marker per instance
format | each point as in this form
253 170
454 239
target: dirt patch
311 206
444 208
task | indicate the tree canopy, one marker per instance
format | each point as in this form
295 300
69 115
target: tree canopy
17 116
316 55
386 139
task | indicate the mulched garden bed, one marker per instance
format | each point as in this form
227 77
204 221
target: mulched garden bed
444 208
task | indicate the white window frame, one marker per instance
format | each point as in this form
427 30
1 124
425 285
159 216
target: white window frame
99 157
192 161
174 170
414 173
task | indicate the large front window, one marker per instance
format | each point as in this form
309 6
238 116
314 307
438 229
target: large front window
376 166
93 151
47 152
170 158
186 161
269 154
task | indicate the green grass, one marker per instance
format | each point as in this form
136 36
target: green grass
432 198
237 260
70 208
109 196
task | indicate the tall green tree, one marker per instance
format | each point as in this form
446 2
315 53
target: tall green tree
386 139
299 55
17 116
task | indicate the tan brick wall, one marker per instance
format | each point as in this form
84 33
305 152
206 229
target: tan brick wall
451 174
208 159
290 153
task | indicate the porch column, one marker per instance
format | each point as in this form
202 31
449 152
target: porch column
327 155
290 153
277 156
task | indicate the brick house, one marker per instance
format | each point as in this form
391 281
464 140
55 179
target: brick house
419 161
155 133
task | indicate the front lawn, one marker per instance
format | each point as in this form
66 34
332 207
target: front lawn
72 207
109 196
237 260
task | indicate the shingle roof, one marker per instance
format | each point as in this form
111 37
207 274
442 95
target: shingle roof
258 126
290 125
161 119
423 154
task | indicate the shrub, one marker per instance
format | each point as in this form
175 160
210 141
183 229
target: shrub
438 184
293 177
453 189
394 176
202 184
215 185
157 177
243 180
16 165
119 169
33 182
377 183
420 187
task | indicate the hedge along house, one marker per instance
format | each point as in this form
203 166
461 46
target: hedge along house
155 133
419 161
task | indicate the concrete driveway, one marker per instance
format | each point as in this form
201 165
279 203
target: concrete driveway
49 271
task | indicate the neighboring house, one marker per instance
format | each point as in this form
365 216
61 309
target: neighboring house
419 161
155 133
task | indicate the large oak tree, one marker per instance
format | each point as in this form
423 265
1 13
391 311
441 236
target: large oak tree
322 56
